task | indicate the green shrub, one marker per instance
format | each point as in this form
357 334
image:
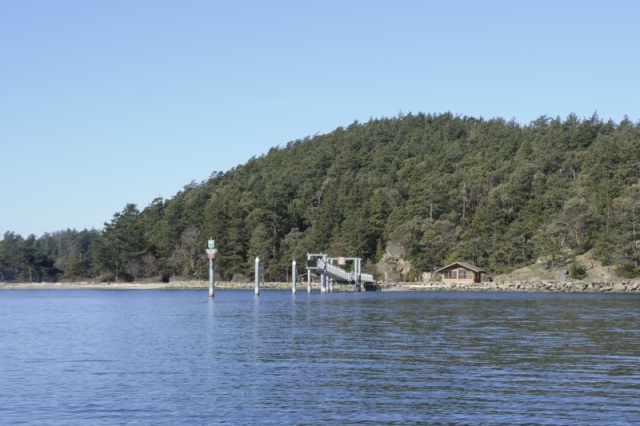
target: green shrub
577 271
627 270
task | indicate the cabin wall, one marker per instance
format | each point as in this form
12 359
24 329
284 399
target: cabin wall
460 275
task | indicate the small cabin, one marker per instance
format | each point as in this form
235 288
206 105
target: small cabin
460 272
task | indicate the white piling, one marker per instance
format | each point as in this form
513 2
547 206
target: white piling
257 276
294 273
323 284
211 254
211 276
308 280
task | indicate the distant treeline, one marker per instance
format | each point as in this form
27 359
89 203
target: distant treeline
443 187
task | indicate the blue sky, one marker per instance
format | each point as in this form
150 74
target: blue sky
104 103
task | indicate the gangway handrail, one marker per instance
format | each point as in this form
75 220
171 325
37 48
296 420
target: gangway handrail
323 264
338 273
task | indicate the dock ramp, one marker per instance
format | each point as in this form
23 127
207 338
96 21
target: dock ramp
325 266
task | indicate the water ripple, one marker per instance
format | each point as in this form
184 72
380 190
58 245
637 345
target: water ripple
73 357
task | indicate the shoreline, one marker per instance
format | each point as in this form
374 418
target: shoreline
533 286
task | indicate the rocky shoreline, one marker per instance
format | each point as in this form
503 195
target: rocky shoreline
629 286
533 286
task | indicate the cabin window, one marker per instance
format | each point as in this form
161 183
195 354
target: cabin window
463 275
450 275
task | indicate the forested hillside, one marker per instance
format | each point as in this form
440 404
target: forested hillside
491 192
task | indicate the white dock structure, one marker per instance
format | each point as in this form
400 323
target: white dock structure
323 265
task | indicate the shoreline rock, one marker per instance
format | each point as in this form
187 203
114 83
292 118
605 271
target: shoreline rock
172 285
532 286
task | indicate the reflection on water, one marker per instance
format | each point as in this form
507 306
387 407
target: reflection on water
163 357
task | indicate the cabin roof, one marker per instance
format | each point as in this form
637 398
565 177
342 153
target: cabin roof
465 265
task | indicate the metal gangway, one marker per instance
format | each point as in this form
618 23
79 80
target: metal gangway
323 265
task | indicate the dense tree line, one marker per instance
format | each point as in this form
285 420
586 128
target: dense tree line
444 187
52 257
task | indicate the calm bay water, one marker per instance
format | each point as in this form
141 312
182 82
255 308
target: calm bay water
167 357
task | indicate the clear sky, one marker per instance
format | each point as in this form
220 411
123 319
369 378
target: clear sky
104 103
